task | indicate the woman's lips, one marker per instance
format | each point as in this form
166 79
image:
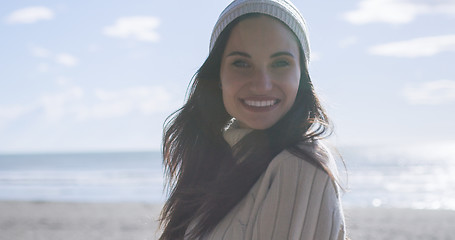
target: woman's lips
261 105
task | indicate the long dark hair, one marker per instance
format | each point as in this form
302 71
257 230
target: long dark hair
205 177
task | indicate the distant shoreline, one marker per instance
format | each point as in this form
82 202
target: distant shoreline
57 220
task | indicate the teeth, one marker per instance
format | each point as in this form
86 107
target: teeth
267 103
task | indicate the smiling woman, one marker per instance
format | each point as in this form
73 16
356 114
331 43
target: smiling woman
243 156
260 72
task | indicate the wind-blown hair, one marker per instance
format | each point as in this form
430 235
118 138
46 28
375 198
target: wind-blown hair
205 177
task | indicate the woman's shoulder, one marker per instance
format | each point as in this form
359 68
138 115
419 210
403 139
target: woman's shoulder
310 156
311 162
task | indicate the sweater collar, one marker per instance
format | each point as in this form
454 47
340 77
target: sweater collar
234 133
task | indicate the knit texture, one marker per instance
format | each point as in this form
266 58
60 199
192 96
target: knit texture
293 199
281 9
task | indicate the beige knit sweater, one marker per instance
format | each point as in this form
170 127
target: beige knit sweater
293 199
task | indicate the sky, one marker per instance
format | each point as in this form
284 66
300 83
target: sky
104 75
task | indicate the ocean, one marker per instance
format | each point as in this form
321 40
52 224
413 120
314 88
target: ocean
82 177
392 177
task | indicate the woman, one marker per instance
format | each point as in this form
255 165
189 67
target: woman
242 156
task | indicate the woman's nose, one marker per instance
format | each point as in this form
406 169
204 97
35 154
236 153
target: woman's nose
261 82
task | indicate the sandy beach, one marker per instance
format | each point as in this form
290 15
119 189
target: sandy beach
400 224
77 221
125 221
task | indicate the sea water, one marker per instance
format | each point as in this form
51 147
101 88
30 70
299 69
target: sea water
82 177
376 177
416 176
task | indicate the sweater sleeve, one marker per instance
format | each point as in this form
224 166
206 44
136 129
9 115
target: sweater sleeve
301 203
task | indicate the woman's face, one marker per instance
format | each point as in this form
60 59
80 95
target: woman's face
260 72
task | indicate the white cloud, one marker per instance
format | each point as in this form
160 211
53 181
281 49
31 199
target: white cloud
30 15
447 8
66 59
12 112
40 52
75 103
418 47
43 67
60 58
395 11
145 100
63 81
142 28
79 104
431 93
57 106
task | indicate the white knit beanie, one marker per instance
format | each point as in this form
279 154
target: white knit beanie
281 9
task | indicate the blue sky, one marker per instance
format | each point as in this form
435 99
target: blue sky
103 75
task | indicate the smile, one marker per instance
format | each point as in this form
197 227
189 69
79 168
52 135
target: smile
263 103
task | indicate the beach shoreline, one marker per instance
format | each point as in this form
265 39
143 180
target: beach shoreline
69 220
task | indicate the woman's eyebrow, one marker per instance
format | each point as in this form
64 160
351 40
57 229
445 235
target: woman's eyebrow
244 54
237 53
281 54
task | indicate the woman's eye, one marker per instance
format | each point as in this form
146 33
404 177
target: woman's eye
281 63
240 64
